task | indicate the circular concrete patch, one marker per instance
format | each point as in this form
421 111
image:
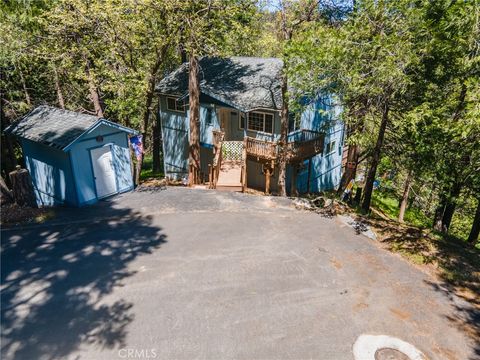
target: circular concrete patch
390 354
383 347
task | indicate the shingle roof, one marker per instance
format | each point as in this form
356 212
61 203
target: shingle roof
52 126
245 83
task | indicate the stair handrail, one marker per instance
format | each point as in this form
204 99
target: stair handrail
218 137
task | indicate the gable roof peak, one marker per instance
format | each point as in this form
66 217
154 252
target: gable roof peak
244 83
54 127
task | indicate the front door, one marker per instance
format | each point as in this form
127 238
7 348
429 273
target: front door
103 171
224 115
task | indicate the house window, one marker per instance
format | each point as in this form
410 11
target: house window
241 121
258 121
294 121
209 117
331 147
175 105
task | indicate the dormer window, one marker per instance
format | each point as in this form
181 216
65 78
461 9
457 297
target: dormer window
175 105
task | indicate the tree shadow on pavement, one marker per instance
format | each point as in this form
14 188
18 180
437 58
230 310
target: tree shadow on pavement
466 315
55 280
455 264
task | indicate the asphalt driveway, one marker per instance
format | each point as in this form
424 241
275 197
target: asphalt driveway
195 274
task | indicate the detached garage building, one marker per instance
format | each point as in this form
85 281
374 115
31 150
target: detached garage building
74 159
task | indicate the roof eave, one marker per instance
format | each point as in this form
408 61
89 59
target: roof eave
95 125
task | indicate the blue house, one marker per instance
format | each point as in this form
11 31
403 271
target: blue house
74 159
240 104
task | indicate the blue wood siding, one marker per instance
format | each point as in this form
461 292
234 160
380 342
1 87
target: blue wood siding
322 115
51 174
82 164
175 141
208 122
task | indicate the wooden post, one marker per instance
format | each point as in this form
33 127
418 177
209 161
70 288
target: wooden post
244 172
245 178
22 187
309 174
210 176
293 185
267 180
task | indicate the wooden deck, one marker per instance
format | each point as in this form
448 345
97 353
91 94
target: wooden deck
305 144
301 145
261 149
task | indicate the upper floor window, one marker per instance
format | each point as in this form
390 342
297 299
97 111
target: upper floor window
294 120
175 105
241 121
330 147
209 117
259 121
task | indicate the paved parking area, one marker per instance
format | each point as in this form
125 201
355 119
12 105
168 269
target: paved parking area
197 274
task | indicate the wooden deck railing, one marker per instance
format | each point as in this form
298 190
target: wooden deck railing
214 168
303 135
305 144
301 145
261 149
218 137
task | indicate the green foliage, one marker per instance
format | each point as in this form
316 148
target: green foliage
387 202
120 41
422 60
216 27
147 169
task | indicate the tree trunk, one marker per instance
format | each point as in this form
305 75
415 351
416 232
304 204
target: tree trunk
448 215
8 158
24 86
182 52
6 196
194 141
474 232
147 111
282 161
404 200
451 205
377 151
58 88
150 94
156 143
94 95
446 208
350 168
22 188
293 187
437 219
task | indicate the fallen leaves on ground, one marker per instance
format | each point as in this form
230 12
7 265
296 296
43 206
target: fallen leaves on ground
13 214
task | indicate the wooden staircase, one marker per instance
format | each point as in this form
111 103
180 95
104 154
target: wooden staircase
230 176
228 170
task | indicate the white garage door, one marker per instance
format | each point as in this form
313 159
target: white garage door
103 171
